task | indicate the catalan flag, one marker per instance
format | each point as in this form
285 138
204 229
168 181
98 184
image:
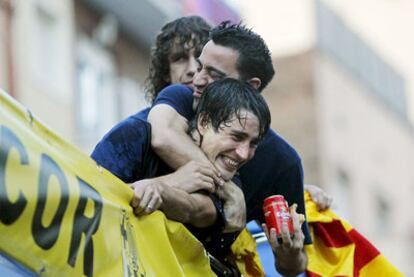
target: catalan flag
339 250
245 254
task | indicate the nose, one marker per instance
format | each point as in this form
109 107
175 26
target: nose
200 80
192 67
243 151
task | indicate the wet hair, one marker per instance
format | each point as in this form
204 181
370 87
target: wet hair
189 29
225 98
254 55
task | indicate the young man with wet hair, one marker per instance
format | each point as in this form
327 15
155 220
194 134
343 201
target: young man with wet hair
230 121
235 51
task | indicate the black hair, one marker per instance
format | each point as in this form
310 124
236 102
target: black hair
254 56
225 98
189 29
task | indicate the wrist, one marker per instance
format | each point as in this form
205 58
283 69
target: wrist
167 180
291 265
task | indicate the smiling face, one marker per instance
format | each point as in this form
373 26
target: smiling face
232 144
215 62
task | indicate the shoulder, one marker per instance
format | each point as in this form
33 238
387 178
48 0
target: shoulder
176 91
276 149
121 150
129 128
179 97
142 114
125 135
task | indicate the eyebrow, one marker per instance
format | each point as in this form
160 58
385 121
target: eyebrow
177 54
211 69
244 135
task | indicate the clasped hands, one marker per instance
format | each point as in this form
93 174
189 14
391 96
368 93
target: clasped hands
192 177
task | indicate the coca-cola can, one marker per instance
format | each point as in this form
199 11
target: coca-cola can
276 212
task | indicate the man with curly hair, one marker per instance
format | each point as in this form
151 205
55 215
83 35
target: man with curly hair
173 57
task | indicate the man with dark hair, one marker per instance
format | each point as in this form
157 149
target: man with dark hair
254 56
276 167
230 121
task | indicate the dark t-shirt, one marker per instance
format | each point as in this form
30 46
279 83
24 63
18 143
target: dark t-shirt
275 169
126 152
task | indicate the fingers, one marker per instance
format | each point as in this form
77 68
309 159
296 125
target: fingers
135 201
301 219
146 200
207 183
271 237
153 204
326 202
285 235
322 199
213 173
219 181
297 221
139 208
207 178
193 177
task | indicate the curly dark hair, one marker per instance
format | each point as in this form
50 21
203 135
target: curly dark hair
254 56
188 29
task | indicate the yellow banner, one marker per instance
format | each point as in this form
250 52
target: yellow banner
62 215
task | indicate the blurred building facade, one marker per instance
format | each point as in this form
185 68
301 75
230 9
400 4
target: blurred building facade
344 105
64 69
80 65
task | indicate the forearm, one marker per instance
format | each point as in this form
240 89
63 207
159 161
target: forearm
291 265
169 137
176 148
196 209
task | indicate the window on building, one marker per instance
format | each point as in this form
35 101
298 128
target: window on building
103 97
382 210
342 195
132 98
48 49
97 101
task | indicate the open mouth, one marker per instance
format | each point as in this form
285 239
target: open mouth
231 164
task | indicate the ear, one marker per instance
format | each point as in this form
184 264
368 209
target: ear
255 82
201 125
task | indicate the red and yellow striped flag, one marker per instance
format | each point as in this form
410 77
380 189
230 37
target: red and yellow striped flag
339 250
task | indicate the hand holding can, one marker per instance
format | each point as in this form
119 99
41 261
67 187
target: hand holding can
276 213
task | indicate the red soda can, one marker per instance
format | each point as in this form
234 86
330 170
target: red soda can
276 212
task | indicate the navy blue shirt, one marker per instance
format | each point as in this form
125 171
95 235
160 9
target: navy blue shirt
126 152
125 149
276 167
